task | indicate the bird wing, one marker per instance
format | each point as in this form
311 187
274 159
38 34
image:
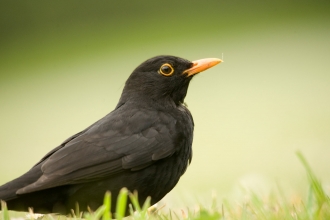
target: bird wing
122 140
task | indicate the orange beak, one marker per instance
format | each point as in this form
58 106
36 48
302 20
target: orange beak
201 65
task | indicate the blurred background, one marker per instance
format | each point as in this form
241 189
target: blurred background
63 65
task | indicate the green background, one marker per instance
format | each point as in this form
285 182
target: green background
63 65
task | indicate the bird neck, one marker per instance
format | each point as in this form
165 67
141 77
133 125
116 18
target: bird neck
167 95
142 101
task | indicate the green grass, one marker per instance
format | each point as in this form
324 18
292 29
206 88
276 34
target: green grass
274 206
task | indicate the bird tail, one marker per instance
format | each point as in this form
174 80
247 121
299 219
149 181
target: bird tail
8 190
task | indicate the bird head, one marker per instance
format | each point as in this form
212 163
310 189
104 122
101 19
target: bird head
164 78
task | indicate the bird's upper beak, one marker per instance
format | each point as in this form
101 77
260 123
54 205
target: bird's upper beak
201 65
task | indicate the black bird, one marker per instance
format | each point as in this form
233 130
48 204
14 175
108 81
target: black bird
144 144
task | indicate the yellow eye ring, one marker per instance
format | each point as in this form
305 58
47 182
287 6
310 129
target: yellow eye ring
166 69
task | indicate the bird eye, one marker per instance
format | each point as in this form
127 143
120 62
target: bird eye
166 69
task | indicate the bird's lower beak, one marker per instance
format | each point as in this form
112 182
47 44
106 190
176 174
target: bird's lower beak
201 65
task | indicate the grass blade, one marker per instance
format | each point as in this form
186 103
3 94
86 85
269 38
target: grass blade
107 205
121 203
5 214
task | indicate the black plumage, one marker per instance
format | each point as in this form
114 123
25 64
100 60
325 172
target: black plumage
144 144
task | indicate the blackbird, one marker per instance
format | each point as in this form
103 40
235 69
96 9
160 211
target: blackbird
144 144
